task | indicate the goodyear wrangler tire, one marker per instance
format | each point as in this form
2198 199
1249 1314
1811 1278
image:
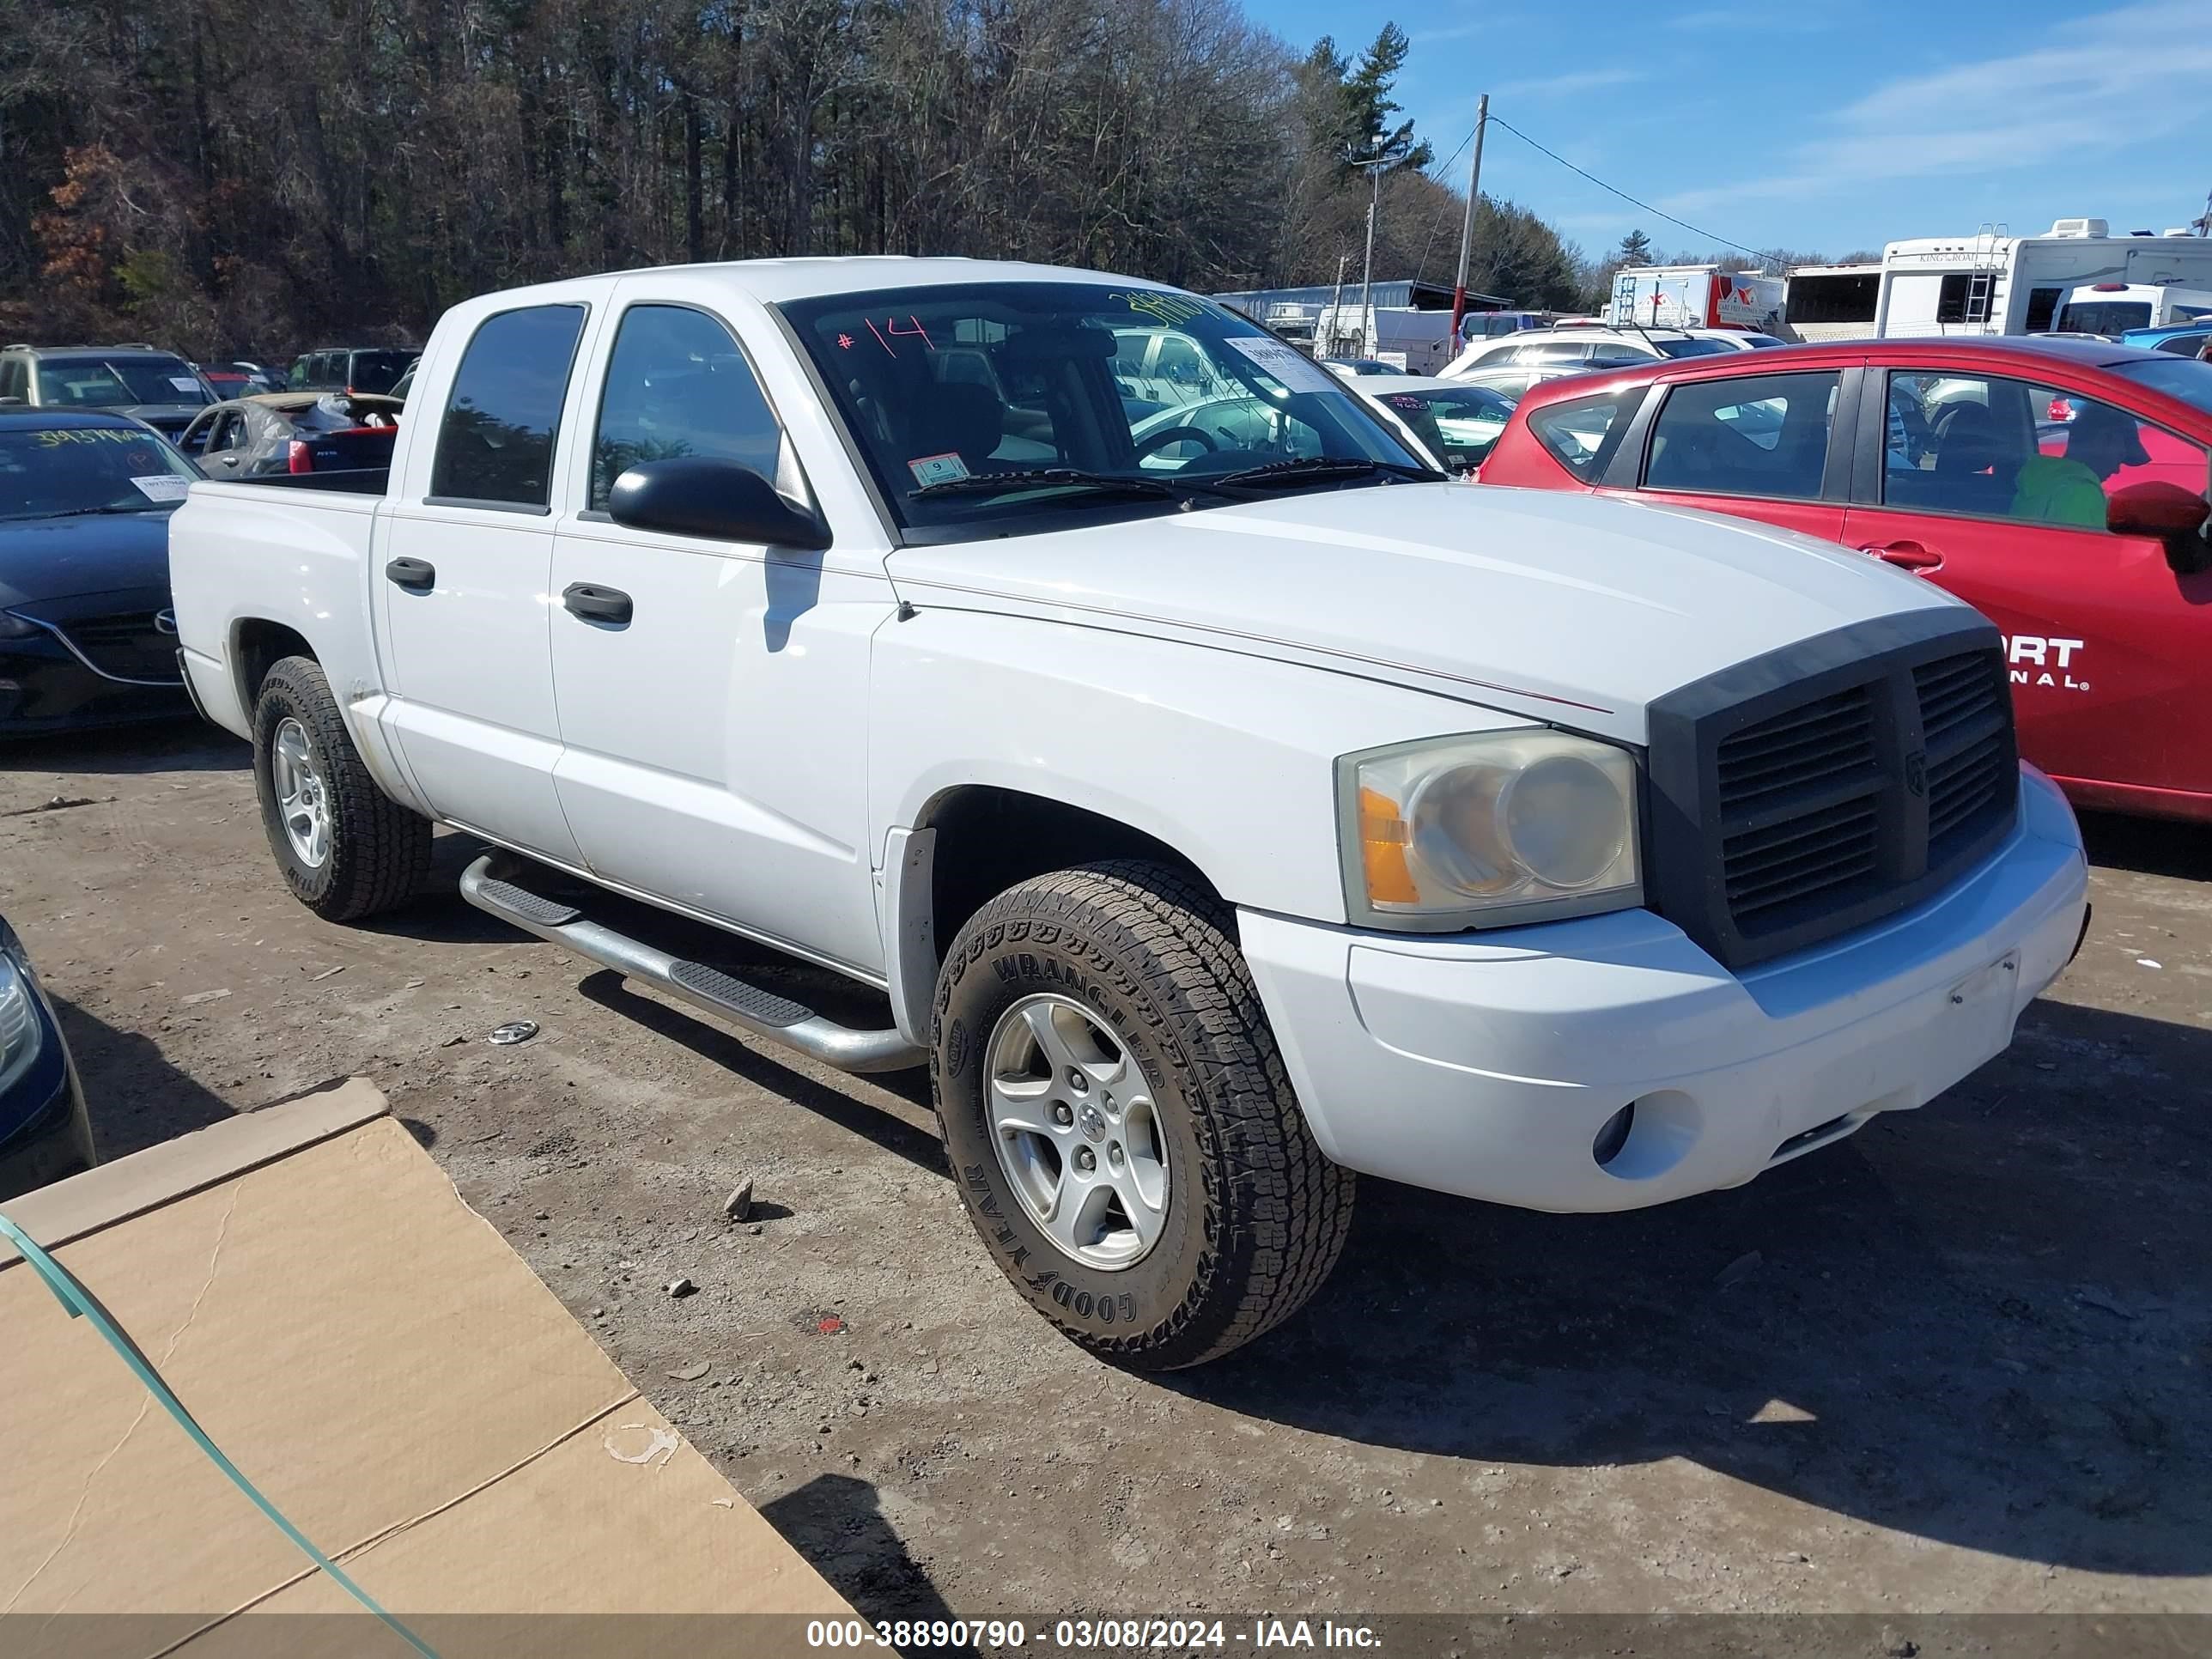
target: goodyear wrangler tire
347 850
1119 1120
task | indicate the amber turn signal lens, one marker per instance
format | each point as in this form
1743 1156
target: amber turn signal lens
1382 839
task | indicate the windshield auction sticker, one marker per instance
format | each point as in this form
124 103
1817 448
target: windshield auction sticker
162 486
1283 362
947 468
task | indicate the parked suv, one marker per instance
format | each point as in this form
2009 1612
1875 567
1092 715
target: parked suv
362 369
158 387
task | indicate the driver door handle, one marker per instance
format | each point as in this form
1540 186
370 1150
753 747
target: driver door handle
416 574
596 603
1906 556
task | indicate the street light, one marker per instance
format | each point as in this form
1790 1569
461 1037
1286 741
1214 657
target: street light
1374 164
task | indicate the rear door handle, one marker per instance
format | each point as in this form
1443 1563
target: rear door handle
1905 555
596 603
416 574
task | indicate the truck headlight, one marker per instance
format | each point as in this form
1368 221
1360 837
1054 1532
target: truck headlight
1487 831
19 1024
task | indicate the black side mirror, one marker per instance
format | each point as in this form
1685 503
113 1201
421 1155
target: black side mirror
722 500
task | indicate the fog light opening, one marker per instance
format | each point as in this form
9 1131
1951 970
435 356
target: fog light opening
1613 1135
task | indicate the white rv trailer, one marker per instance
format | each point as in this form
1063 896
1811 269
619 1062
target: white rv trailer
1994 283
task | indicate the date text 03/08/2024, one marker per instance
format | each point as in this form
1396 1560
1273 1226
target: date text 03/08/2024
1089 1635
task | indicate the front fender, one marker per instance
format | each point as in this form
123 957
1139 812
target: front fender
1229 759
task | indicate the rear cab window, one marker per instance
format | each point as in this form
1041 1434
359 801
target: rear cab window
502 418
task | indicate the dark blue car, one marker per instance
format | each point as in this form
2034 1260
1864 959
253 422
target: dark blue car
87 638
44 1132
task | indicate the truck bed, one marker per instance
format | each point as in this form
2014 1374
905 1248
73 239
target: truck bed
350 481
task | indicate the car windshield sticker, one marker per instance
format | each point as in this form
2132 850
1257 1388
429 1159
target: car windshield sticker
162 486
1283 362
184 383
1169 308
55 437
938 468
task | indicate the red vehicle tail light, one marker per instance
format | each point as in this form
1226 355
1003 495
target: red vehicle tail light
298 458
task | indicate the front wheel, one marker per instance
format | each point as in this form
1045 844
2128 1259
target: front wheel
1118 1119
347 850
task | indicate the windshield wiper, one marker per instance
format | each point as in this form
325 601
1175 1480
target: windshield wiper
1317 468
87 512
1041 478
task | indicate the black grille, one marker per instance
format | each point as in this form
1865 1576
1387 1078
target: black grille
1812 791
125 644
1800 788
1966 725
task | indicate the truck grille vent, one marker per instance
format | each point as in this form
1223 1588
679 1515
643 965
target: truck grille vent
1801 795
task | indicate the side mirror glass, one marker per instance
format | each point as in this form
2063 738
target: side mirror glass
2168 514
719 499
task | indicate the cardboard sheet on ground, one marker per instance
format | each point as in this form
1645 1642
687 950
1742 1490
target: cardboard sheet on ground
394 1378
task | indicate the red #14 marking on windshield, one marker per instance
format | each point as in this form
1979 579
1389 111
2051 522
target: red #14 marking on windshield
892 330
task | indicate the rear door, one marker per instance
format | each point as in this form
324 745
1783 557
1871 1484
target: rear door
462 581
1995 489
227 448
714 731
1765 446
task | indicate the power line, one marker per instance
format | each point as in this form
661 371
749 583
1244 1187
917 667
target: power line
1756 253
1437 223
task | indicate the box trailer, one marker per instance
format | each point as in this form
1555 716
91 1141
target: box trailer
1417 341
1832 302
1696 296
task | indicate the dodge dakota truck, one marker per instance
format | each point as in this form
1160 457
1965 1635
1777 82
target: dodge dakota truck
1221 812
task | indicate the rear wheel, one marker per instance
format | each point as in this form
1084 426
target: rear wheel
1118 1119
347 850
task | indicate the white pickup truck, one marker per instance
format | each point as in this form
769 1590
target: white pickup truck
1221 809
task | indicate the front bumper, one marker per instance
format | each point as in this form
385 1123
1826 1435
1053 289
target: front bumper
44 687
1487 1066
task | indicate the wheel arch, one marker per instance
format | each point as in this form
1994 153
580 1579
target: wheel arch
258 645
968 843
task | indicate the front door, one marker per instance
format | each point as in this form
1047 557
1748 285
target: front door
1995 490
1754 446
461 578
712 696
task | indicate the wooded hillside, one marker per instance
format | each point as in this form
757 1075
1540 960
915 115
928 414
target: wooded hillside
228 176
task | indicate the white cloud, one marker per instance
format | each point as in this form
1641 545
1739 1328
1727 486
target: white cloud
1562 86
2111 85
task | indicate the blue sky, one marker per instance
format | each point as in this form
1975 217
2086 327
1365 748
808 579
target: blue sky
1822 125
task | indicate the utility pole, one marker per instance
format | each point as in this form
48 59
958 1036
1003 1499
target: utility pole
1467 225
1367 269
1327 348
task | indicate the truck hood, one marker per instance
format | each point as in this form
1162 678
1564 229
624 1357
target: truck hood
1566 608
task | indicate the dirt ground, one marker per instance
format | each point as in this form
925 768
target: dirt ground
1959 1363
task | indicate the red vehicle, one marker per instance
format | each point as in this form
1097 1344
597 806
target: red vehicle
2059 486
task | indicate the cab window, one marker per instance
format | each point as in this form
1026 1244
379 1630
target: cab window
503 416
677 385
1994 448
1763 436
